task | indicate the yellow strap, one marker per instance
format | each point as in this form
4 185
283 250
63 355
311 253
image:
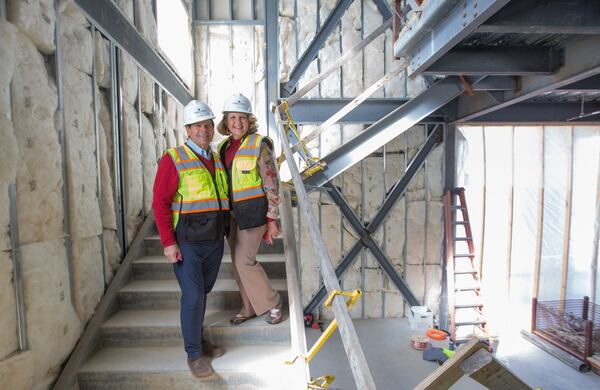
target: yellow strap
321 382
354 295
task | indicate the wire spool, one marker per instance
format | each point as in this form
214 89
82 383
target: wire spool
419 343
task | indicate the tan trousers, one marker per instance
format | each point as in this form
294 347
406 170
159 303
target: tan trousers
257 294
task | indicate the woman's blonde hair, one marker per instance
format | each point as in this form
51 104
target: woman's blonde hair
252 125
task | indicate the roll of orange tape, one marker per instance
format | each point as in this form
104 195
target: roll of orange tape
436 334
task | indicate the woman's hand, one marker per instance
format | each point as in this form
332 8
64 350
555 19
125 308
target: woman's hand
172 253
272 232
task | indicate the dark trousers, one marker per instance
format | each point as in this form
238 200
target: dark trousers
196 275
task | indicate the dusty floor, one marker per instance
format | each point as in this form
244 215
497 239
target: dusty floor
395 365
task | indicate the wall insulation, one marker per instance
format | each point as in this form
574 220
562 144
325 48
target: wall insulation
532 193
56 78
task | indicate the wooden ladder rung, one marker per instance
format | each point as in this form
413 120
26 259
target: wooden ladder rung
470 323
468 305
463 238
463 255
465 272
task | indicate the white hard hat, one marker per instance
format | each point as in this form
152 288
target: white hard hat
196 111
238 103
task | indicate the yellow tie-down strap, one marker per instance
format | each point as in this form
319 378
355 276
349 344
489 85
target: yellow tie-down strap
354 295
314 164
321 382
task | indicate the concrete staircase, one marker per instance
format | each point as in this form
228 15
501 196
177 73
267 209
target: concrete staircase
142 345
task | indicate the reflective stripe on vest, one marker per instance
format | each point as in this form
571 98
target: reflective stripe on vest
246 182
196 192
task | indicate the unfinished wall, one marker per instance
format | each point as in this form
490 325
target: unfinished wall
67 266
532 193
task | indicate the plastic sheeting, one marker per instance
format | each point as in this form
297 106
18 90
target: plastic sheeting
586 147
557 153
527 185
552 169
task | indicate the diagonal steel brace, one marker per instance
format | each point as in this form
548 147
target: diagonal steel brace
364 232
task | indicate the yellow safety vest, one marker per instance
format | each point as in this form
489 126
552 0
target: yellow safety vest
246 182
196 191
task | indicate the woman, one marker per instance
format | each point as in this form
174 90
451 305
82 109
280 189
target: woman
254 190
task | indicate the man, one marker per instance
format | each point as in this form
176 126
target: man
191 209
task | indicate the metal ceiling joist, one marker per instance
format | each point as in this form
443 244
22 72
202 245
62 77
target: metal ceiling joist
392 197
582 60
537 112
446 30
107 18
545 17
388 128
516 61
313 49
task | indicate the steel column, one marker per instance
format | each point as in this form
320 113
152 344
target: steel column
272 59
388 128
110 20
395 193
318 41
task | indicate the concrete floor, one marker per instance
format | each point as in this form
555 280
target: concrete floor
395 365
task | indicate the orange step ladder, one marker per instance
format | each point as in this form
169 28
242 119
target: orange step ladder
465 305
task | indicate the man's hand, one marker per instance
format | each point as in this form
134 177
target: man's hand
272 232
172 253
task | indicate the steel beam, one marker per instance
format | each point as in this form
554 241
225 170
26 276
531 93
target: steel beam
540 112
457 24
590 85
582 61
515 61
384 8
317 111
110 20
392 197
272 61
313 49
388 128
545 17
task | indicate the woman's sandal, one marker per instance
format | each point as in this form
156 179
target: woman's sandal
275 315
240 318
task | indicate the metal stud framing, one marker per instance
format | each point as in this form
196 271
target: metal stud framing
64 146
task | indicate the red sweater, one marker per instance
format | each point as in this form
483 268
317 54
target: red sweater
165 187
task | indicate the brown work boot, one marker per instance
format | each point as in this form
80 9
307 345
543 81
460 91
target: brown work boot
200 368
211 350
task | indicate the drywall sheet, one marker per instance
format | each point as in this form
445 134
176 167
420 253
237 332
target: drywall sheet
527 182
586 152
557 164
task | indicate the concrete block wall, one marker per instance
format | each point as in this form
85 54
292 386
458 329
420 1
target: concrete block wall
65 273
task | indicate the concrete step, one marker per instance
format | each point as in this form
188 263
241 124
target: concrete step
154 247
165 294
157 267
137 328
159 368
